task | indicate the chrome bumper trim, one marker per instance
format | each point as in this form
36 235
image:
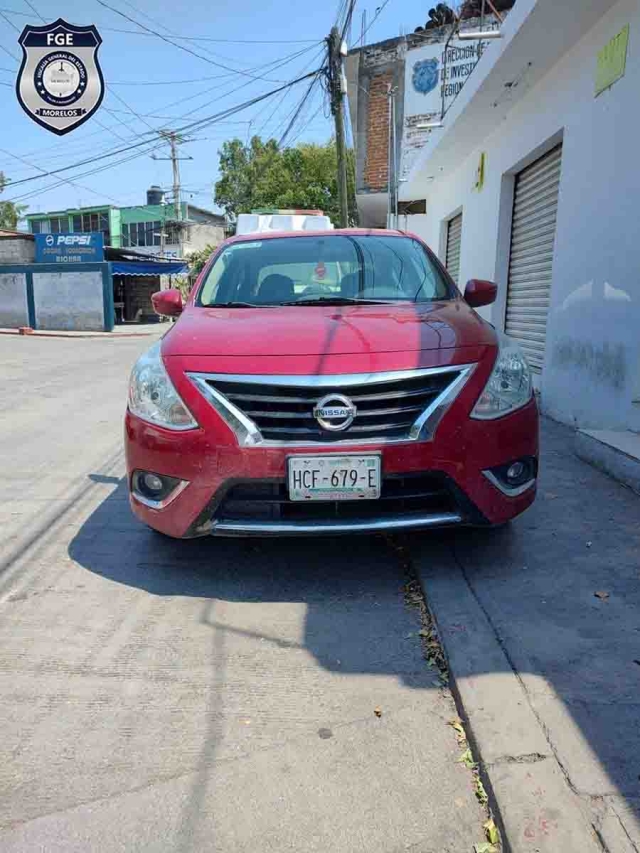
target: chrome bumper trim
514 492
277 528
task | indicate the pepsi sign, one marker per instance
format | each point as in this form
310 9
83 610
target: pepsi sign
69 248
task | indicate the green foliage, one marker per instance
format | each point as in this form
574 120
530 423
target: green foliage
197 260
10 212
261 175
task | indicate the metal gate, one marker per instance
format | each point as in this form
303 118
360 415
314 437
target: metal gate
535 210
454 239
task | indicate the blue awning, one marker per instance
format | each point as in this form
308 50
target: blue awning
148 267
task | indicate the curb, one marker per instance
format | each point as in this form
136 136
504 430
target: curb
537 810
34 333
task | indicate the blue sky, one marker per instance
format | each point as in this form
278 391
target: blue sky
132 109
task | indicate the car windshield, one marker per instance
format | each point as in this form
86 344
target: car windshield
322 269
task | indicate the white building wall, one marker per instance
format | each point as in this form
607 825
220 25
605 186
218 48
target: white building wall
592 368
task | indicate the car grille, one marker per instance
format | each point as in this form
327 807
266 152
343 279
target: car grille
401 496
385 410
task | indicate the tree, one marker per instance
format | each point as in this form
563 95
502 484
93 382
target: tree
197 260
10 212
261 175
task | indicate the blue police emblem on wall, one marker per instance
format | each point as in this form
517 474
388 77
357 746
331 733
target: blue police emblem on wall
60 83
426 75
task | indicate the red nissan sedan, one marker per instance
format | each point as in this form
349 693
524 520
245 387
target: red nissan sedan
329 382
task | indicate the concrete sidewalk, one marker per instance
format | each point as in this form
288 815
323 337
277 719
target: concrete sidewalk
541 624
123 331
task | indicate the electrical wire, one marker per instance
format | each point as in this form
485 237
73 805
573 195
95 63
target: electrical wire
306 125
273 63
8 52
298 111
200 124
33 9
130 109
181 46
372 22
215 40
259 131
10 22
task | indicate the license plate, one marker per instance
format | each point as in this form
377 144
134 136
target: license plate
334 478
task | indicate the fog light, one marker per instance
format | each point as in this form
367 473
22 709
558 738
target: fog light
152 483
155 490
514 478
515 473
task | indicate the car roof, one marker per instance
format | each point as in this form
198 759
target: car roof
336 232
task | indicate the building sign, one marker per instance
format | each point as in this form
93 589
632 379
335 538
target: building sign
69 248
434 77
612 61
60 84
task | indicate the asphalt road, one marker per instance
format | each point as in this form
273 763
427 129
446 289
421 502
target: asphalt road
214 695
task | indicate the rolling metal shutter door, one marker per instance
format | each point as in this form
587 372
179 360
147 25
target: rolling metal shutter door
535 210
454 239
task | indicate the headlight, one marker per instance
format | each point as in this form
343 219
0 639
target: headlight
509 386
152 396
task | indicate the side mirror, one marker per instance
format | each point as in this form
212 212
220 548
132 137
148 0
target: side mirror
167 303
479 292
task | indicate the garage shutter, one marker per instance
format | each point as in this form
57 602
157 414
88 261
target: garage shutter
535 210
454 239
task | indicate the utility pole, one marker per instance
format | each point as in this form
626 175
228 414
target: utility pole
174 139
337 87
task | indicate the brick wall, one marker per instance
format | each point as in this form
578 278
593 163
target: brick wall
376 170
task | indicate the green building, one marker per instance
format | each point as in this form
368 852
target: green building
150 229
139 227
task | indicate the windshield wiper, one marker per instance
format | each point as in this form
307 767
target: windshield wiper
237 305
337 300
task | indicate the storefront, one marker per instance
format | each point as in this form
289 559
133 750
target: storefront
135 278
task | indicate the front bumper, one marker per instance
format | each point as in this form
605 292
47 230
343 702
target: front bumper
457 457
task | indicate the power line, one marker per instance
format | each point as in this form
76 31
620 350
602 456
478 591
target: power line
11 24
305 125
379 11
18 14
33 8
200 123
8 52
299 109
130 109
273 63
276 63
216 40
259 131
181 46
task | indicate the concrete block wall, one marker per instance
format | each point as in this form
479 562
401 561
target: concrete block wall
14 307
45 297
17 250
69 300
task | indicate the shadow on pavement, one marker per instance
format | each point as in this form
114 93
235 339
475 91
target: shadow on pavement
536 582
351 587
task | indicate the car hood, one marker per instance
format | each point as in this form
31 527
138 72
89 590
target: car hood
326 330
